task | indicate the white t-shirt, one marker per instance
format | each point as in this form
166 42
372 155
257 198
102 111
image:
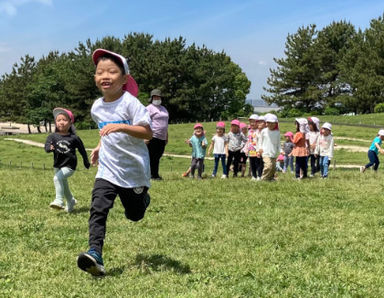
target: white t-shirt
270 142
219 144
313 135
123 159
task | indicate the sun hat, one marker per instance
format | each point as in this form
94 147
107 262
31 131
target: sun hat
254 117
220 124
327 125
315 120
270 118
235 122
197 125
68 113
130 85
242 125
288 134
381 132
155 92
261 118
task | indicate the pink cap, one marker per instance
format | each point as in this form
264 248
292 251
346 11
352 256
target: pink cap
235 122
288 134
242 125
58 111
197 125
131 85
220 124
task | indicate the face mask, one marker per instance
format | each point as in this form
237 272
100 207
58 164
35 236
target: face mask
156 102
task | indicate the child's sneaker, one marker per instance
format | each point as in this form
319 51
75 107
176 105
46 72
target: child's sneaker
70 205
57 204
362 169
185 174
91 262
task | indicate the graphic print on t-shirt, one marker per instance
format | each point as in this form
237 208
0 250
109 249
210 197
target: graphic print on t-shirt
62 146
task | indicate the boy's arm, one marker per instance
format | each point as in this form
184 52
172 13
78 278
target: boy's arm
95 154
379 148
137 131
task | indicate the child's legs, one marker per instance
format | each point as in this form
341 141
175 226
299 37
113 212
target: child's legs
286 162
156 149
313 164
325 163
291 158
193 166
61 183
301 164
216 165
135 202
373 160
259 166
253 165
269 168
229 162
236 161
222 157
200 166
103 197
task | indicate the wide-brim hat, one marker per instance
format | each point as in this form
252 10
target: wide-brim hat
270 118
68 113
254 117
327 125
130 85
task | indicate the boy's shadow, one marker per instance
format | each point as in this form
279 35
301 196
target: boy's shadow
161 263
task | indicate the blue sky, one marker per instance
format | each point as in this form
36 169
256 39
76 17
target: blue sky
252 32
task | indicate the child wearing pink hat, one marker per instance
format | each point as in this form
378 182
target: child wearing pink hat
219 146
63 143
287 148
236 142
199 143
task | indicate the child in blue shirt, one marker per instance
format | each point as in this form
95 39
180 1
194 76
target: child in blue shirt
199 143
373 151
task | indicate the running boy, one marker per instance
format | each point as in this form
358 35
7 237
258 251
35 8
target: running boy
123 157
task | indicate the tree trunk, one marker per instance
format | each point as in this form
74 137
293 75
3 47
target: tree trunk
45 125
29 129
50 127
38 129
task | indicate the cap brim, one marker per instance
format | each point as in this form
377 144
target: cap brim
101 52
131 86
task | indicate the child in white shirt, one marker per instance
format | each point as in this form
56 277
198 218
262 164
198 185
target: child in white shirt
324 148
219 146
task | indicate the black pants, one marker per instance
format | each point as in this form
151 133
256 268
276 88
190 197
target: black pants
235 156
156 149
301 163
315 163
134 200
197 163
257 166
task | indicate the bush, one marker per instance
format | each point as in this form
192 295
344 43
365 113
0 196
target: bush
379 108
292 113
331 111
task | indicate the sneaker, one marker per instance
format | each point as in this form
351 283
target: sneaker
254 179
362 169
91 262
57 204
70 205
185 174
258 178
224 176
311 175
213 175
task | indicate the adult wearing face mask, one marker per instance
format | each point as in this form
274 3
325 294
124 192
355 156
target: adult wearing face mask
159 116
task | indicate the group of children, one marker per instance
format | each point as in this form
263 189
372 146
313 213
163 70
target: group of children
260 143
123 160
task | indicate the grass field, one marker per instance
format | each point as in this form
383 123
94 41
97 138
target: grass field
209 238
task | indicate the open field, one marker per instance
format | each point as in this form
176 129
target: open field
209 238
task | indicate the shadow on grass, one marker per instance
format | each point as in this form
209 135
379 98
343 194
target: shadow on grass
80 210
116 271
149 263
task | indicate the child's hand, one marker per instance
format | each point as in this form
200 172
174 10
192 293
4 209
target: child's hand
94 157
109 128
187 141
52 148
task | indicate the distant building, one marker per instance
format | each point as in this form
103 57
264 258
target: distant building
260 106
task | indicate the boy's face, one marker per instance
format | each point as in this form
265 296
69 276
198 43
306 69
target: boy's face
235 128
253 123
109 78
261 124
198 131
271 125
62 123
326 131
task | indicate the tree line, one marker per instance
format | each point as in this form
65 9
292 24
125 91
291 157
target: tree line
197 83
337 69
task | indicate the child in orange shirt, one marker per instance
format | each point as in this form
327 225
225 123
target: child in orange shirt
300 150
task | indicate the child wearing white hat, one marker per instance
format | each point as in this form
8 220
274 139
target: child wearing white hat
324 148
313 135
373 151
270 146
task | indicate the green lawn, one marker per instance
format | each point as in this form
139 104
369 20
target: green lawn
209 238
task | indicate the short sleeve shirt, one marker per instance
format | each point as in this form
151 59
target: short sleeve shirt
373 147
219 144
123 159
197 146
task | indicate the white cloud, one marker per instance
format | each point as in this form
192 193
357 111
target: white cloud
9 7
